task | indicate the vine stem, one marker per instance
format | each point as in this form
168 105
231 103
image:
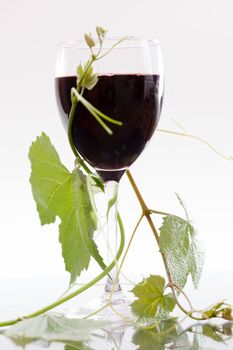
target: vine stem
184 294
147 213
198 139
75 152
80 290
163 213
124 256
108 51
109 302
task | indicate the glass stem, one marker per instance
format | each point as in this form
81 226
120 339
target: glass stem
111 192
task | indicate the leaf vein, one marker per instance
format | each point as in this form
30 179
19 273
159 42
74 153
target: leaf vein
52 164
48 179
57 188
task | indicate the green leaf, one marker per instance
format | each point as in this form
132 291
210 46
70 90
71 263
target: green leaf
79 72
90 79
58 192
86 76
54 328
48 175
152 302
184 254
157 338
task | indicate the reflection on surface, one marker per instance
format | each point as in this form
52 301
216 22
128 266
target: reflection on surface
165 333
168 334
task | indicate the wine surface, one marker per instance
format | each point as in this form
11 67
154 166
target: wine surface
130 98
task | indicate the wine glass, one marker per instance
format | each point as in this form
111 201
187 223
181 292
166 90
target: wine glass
130 90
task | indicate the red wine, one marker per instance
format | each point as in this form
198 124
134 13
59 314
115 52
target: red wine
130 98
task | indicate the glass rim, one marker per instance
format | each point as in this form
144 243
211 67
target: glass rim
129 42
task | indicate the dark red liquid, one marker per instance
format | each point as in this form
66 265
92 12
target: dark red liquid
133 100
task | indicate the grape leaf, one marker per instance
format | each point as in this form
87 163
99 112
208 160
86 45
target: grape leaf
184 254
51 327
89 80
58 192
48 175
157 338
152 302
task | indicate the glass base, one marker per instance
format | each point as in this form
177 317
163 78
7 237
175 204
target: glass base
117 310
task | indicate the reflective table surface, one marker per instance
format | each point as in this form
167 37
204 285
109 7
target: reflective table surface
22 296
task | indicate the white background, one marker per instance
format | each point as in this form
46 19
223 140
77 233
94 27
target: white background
196 38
